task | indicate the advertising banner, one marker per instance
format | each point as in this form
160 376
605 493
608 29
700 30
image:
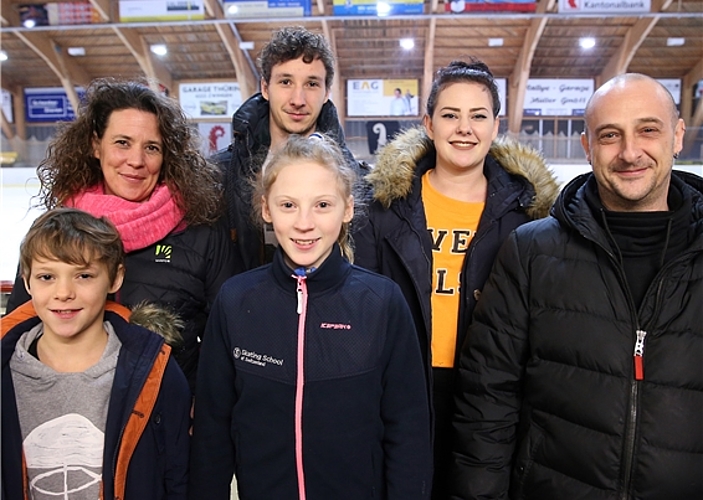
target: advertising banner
375 8
673 85
161 10
7 106
48 104
502 84
382 97
266 8
214 137
209 100
604 6
458 6
557 97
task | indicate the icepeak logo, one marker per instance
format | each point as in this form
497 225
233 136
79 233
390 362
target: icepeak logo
163 253
335 326
254 358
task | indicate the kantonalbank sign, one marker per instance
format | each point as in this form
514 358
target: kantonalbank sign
604 6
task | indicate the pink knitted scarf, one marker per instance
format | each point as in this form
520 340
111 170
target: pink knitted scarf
139 224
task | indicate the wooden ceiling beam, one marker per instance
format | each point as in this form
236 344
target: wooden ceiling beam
692 117
230 39
68 72
154 70
634 37
103 8
517 83
10 15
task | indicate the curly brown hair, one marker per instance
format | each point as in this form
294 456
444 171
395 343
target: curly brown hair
294 42
70 166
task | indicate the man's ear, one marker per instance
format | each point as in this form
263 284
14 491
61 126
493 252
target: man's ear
264 89
265 212
585 146
119 278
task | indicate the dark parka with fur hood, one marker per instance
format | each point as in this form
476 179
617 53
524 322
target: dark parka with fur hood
550 406
395 241
242 160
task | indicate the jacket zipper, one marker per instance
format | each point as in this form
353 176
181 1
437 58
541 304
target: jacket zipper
302 294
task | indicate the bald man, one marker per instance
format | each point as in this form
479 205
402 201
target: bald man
582 374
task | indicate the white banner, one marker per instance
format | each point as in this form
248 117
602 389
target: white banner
209 100
7 106
673 85
160 10
557 97
382 97
604 6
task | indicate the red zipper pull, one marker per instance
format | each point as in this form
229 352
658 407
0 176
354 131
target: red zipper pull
639 355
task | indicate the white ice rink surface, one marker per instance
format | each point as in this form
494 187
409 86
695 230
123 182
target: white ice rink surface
20 184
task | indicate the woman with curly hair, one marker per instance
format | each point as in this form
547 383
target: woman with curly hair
132 157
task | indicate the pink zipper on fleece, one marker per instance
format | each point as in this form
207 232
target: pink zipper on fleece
302 291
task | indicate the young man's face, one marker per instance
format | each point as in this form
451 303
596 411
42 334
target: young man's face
296 93
70 299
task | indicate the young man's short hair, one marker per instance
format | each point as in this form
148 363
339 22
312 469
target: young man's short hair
291 43
72 236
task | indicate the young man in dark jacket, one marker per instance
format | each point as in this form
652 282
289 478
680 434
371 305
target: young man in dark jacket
581 376
297 68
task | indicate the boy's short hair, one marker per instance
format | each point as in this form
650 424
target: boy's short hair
293 42
72 236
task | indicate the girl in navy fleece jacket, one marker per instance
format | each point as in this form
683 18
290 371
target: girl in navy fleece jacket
310 384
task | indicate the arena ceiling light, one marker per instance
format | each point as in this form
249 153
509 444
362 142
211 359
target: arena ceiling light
76 51
587 43
383 8
675 42
407 43
3 55
159 49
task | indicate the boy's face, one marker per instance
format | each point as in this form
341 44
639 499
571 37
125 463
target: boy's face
69 298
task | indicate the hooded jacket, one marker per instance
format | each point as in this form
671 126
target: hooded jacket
364 420
146 444
242 160
183 272
552 404
395 241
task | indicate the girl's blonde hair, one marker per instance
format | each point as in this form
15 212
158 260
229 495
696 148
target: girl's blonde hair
317 148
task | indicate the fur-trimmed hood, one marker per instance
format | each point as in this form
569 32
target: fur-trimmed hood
392 178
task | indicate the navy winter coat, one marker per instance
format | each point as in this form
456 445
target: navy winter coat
146 447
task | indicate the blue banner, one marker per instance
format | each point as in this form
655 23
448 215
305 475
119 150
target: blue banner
376 8
48 104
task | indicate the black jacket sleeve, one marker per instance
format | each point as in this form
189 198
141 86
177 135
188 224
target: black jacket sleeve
405 409
212 449
491 368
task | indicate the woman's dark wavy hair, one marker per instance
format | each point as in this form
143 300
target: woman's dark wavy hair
70 166
474 71
293 42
